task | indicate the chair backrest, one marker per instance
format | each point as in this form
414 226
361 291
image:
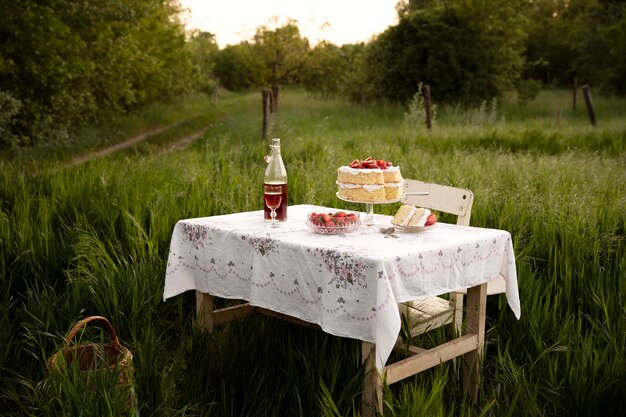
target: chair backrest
457 201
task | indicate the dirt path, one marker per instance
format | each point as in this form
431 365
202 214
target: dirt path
172 147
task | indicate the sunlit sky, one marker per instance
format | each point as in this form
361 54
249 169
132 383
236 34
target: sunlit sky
338 21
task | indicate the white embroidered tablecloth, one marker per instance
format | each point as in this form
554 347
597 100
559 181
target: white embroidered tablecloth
349 285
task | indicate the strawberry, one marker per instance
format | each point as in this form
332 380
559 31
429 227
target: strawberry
431 220
326 218
355 164
340 222
329 224
339 214
371 165
368 160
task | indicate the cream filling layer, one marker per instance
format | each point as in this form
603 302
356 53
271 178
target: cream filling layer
422 221
368 187
394 184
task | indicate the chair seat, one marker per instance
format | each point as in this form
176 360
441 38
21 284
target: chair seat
427 314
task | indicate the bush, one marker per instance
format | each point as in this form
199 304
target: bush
9 108
527 91
466 51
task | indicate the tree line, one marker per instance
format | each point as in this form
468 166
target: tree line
466 50
64 63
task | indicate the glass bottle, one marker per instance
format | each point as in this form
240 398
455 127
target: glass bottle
276 174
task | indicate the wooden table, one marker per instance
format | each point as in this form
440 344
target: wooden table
349 286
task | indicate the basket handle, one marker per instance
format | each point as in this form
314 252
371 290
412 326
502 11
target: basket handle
78 326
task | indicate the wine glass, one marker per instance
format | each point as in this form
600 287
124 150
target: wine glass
273 197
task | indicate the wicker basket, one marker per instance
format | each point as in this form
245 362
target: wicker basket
98 357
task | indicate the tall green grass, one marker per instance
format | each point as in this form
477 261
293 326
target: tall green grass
93 239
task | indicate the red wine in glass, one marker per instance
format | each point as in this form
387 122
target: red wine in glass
281 211
273 197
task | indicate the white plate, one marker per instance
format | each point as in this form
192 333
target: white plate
412 229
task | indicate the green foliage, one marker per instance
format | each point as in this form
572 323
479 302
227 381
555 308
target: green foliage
280 54
9 109
585 38
599 39
69 61
549 52
354 86
275 57
235 68
204 51
333 71
527 90
467 51
324 70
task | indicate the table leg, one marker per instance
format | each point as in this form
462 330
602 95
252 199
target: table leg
476 311
372 396
204 310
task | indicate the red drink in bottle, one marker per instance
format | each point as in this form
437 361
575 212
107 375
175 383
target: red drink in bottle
276 174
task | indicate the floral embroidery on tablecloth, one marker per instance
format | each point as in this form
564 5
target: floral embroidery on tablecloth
345 270
263 245
195 234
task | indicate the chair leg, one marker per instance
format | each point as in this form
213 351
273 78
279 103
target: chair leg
476 311
204 310
372 396
458 312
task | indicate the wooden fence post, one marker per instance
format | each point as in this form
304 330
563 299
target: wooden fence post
426 94
265 95
589 103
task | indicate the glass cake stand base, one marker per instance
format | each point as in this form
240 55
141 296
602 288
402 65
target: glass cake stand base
369 208
369 205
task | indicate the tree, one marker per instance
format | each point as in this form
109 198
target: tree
585 37
204 52
324 69
598 37
65 62
354 77
281 54
235 67
549 54
467 51
332 70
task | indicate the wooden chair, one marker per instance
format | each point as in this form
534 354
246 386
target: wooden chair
435 312
432 313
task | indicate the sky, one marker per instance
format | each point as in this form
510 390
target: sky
338 21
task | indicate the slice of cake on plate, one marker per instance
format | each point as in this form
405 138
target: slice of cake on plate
413 216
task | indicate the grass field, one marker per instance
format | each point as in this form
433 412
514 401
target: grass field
93 239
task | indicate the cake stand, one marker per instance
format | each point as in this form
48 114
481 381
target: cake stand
369 205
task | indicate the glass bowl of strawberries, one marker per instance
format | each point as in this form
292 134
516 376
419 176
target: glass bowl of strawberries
337 223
